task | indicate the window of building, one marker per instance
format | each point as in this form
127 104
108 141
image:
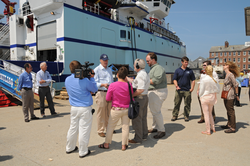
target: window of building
212 61
233 59
248 66
239 53
238 66
217 54
212 54
122 34
248 52
229 59
238 59
229 53
244 66
234 53
221 54
249 59
225 60
244 59
244 53
225 53
221 60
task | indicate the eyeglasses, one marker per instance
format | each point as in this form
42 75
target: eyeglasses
204 65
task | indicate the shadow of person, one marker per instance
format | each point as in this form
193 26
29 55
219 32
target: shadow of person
241 125
219 119
192 117
7 157
58 115
2 128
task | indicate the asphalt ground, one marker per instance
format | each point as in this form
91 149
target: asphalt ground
42 142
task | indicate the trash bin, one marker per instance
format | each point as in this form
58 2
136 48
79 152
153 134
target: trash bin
245 82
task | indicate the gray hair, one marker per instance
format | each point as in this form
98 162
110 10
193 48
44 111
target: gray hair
43 63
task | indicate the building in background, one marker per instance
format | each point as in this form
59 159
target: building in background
240 54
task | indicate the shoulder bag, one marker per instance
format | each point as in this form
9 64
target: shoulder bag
133 110
224 94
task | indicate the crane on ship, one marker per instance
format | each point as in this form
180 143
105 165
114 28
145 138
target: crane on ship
9 8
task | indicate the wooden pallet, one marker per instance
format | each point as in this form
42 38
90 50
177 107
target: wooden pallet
62 97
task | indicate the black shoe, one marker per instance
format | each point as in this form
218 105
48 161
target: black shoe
229 131
76 148
186 119
54 113
225 127
34 118
152 130
159 135
27 120
85 154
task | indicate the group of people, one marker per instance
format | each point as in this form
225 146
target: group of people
25 85
113 99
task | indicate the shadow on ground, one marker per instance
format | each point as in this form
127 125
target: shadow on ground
4 158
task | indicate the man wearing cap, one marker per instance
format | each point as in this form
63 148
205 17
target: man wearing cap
141 84
239 80
157 94
103 77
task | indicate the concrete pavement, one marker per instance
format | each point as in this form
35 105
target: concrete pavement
42 142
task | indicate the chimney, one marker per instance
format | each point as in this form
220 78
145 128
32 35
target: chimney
226 44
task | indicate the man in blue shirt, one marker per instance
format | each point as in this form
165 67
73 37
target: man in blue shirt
80 99
43 79
103 77
25 86
182 78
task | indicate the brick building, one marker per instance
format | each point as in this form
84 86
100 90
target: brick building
240 54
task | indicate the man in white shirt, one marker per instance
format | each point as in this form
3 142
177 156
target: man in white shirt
205 64
103 77
141 84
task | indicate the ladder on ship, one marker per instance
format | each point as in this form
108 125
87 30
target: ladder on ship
4 32
9 74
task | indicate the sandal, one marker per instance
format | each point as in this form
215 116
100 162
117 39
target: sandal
204 132
126 147
102 146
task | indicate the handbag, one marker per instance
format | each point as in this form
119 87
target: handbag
224 94
133 110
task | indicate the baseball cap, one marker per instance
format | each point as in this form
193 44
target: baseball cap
104 57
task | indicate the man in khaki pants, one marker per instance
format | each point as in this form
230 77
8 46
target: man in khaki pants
103 77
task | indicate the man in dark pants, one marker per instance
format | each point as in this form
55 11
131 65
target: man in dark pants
182 78
43 79
141 84
25 86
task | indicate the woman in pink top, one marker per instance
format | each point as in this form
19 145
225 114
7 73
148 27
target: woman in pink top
118 93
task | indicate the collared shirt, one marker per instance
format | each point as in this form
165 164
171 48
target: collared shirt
79 90
142 81
183 78
239 80
25 81
158 76
43 75
208 86
215 76
103 76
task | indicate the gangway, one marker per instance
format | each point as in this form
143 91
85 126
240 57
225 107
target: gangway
9 74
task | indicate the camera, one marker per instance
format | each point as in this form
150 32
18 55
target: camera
84 71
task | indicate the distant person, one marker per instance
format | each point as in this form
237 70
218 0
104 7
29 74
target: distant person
230 85
103 78
157 94
209 86
215 76
239 80
43 79
80 99
182 78
118 93
25 86
141 84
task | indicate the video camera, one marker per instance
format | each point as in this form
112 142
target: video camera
84 71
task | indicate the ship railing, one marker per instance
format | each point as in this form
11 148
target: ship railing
5 55
4 32
93 9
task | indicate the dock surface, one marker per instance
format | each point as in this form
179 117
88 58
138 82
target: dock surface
43 141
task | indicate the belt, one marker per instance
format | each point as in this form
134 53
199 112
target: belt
43 86
103 90
27 88
142 95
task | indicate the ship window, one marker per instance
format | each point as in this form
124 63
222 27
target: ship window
169 5
166 9
156 0
156 4
148 0
128 35
139 35
122 33
165 1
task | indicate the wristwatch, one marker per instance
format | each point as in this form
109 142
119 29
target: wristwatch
237 94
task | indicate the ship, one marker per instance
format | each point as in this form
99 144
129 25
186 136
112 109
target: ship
59 31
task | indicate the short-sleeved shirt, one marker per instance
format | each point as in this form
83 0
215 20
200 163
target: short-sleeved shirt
230 84
142 81
183 78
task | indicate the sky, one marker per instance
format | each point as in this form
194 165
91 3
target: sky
201 24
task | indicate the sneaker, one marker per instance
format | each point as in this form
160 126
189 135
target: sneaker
174 118
186 119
